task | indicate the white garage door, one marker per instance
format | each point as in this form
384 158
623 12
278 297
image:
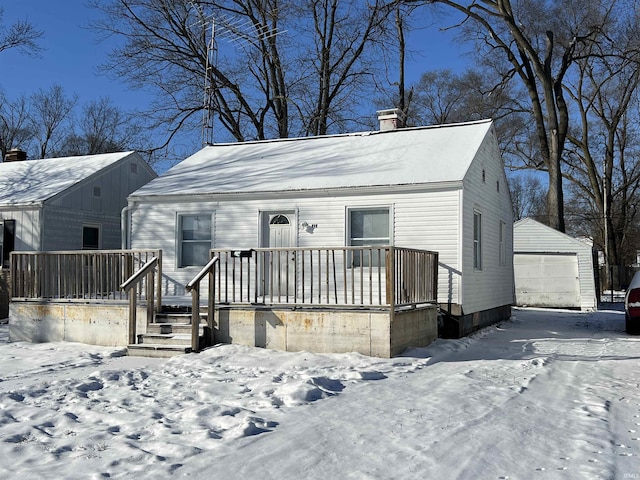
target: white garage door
547 280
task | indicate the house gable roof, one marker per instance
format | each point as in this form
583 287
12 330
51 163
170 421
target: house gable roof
35 181
398 157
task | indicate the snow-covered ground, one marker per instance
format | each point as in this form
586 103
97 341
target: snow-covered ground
546 395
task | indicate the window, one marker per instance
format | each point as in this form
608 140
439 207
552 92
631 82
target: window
368 226
97 191
502 244
133 168
195 239
90 237
7 240
477 240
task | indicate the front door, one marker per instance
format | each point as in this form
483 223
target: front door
279 265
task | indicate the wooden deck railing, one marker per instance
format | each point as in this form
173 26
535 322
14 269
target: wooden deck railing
143 277
340 276
80 275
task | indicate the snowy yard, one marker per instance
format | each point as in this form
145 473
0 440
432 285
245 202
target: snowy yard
546 395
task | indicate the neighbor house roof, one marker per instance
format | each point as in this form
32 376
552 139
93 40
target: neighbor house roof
397 157
34 181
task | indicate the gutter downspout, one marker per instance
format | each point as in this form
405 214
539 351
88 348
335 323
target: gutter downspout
42 229
125 223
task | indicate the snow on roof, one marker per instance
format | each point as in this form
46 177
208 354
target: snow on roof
397 157
34 181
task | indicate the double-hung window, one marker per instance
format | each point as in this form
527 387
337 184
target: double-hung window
368 227
477 240
194 239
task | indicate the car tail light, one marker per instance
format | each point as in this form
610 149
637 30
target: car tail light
633 302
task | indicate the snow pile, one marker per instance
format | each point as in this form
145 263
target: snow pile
549 394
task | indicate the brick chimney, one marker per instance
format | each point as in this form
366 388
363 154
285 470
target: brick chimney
15 155
390 119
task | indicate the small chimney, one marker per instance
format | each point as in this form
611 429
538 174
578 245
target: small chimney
390 119
15 155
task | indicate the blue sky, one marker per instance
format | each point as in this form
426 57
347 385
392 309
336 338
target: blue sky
72 53
70 57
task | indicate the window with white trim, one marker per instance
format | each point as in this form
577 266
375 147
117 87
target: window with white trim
502 244
194 239
368 227
477 240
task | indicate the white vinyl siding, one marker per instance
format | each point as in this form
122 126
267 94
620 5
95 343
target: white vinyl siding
502 251
424 220
492 285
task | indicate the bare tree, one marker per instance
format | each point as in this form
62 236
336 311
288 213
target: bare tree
276 67
15 127
539 41
527 197
102 128
603 163
49 111
336 58
21 35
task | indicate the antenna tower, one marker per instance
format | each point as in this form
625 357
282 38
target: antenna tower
209 88
241 33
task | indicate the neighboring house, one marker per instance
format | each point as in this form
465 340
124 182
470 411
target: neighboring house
70 203
551 268
440 188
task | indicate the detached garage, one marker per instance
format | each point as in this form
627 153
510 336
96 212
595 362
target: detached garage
552 269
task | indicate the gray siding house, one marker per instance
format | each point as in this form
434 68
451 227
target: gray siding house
69 203
440 188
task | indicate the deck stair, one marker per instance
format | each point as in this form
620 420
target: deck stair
169 334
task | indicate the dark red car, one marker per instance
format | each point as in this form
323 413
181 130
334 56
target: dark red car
632 306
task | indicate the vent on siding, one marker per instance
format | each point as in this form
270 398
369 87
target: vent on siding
134 168
97 191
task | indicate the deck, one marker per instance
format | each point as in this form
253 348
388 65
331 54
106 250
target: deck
375 300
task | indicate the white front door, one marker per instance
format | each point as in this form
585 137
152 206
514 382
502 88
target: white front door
280 264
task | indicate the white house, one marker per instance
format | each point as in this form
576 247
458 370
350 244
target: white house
440 188
551 268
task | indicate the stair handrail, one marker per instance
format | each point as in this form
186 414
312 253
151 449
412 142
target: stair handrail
148 271
193 287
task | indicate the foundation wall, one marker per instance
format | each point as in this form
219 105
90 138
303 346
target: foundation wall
5 294
369 332
95 324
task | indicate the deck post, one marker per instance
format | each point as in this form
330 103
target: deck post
132 315
391 282
195 316
211 309
150 299
159 292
